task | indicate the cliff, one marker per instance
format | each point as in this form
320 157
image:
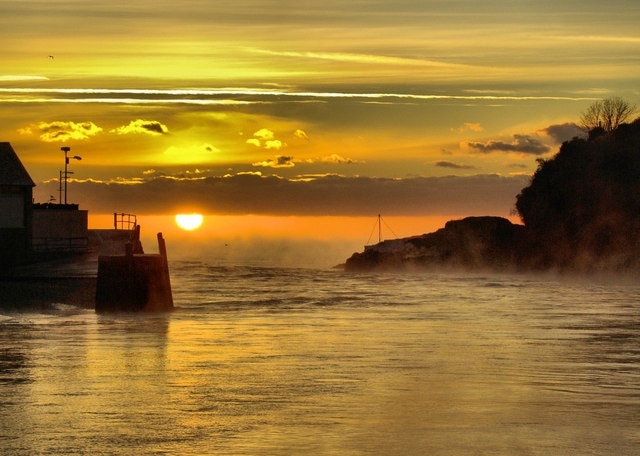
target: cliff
473 242
581 212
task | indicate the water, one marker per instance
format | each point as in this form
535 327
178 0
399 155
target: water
272 361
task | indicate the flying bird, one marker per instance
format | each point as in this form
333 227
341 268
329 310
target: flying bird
51 57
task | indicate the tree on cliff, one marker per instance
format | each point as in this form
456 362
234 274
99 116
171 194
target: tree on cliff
584 203
606 115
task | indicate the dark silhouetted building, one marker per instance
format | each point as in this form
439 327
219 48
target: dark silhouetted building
16 196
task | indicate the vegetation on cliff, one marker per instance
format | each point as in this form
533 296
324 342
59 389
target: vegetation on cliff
581 212
582 209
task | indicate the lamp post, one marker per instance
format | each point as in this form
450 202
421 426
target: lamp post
66 150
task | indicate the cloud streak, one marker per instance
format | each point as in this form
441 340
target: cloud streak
238 96
21 78
523 144
367 59
453 165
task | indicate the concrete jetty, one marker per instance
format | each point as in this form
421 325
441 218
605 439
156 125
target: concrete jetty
48 254
134 282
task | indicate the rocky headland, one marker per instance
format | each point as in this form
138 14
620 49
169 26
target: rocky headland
581 212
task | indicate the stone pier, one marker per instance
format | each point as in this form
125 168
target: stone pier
134 282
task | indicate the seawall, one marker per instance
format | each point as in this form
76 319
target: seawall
41 293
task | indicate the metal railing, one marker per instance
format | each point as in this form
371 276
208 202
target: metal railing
123 221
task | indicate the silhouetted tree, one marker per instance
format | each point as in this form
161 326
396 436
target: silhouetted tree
606 114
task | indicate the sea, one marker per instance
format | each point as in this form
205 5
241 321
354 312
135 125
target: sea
258 359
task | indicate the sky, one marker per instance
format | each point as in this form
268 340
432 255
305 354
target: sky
310 116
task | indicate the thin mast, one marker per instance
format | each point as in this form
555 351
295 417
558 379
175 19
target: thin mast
379 230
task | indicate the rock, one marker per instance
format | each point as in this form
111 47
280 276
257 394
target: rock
473 242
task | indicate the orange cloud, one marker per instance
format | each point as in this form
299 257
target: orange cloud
149 127
63 131
468 126
265 138
273 144
264 133
335 158
301 134
281 161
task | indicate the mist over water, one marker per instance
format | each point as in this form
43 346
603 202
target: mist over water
265 251
271 360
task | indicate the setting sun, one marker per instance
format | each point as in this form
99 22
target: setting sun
189 222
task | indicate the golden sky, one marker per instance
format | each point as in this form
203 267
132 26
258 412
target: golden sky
335 108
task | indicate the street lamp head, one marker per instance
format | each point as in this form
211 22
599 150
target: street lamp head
77 157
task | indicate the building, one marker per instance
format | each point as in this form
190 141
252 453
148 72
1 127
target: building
16 196
59 228
28 229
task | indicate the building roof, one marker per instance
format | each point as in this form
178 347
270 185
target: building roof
12 172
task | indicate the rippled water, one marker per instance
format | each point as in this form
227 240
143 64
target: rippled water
259 360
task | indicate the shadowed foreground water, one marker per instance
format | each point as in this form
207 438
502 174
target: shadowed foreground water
293 361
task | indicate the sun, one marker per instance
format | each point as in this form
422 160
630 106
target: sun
189 222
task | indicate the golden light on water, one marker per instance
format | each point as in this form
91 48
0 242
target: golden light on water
189 222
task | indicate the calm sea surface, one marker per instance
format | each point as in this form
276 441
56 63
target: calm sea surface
272 361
